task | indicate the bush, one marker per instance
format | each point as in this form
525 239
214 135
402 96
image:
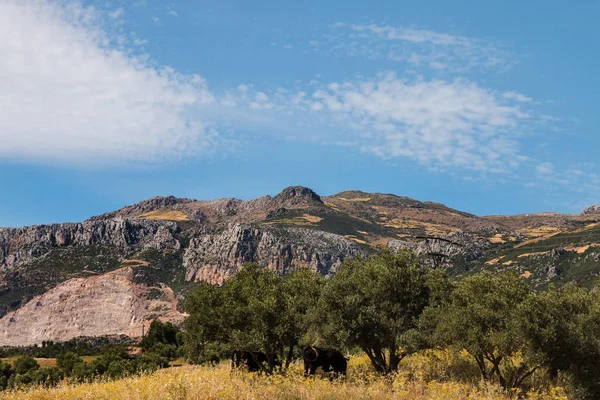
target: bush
6 371
24 364
67 361
82 372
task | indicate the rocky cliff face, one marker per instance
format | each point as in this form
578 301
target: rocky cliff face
22 245
109 304
214 257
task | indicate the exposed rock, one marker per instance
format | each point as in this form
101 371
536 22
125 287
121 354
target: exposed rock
153 204
21 245
213 258
595 209
459 244
109 304
297 195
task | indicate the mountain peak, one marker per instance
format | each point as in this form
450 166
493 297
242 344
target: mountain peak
594 209
297 194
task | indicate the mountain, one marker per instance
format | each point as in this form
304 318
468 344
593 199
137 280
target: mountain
115 272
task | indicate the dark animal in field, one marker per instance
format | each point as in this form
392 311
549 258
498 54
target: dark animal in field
214 361
252 360
328 360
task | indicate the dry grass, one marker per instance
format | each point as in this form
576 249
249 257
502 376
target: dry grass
305 220
361 199
494 261
331 205
430 228
43 362
414 382
536 253
355 239
167 215
582 249
312 218
538 234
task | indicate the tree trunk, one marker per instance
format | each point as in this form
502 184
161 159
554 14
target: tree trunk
377 360
481 364
288 359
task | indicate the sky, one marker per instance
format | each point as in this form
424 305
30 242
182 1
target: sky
488 107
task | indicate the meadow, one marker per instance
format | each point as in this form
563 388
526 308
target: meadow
432 375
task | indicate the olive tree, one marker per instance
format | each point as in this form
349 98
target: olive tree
300 293
482 316
564 325
205 323
374 303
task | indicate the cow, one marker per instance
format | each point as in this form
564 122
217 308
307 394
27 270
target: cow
214 360
253 360
328 360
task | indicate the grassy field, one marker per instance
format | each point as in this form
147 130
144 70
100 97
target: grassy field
196 382
46 362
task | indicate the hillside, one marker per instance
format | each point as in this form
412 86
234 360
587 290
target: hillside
127 267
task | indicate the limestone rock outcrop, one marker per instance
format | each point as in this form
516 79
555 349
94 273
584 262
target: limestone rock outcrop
108 304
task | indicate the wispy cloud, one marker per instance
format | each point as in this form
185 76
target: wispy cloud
116 14
172 13
417 47
454 124
69 95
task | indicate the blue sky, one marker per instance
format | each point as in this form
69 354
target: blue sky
488 107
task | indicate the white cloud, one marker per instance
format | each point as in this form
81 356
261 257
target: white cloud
116 14
66 95
417 47
172 13
544 168
517 97
437 123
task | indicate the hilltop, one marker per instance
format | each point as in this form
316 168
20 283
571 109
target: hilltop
115 272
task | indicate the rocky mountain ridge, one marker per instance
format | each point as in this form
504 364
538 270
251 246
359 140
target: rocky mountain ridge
163 245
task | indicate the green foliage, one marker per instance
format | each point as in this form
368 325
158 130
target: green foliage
160 333
255 310
81 372
564 325
6 370
374 304
205 323
67 361
482 316
300 292
25 363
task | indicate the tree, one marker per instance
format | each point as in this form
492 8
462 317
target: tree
300 293
481 316
374 303
6 371
67 361
564 325
205 323
253 311
160 332
25 363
